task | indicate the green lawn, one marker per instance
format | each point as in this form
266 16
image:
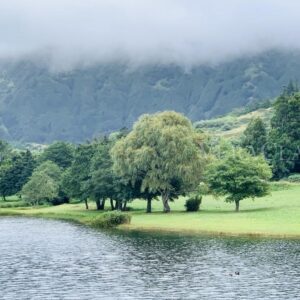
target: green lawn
276 215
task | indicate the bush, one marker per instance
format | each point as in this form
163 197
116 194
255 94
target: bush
294 178
111 219
193 204
59 200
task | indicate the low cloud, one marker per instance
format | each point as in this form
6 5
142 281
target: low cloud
72 33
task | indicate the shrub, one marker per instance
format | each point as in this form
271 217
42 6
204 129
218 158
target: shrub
294 178
59 200
111 219
193 204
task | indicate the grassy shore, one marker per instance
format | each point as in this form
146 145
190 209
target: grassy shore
276 215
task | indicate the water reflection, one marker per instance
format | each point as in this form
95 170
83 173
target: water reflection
42 259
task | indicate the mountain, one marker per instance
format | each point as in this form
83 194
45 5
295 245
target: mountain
37 105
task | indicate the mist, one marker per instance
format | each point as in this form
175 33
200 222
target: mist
66 34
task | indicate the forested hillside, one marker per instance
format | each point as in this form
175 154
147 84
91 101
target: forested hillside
37 105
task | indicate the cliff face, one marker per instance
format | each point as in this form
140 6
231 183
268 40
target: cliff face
39 106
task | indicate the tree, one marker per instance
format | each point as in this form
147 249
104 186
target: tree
15 170
60 153
27 165
104 183
44 184
255 136
51 169
284 141
40 187
162 152
103 179
76 179
238 176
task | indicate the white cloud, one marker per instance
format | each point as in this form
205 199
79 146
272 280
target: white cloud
187 32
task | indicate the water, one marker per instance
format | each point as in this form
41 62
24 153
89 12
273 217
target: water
42 259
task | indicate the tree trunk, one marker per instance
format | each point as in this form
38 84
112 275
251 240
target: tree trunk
237 205
86 204
165 200
200 201
98 204
112 204
124 205
102 204
149 208
4 198
119 204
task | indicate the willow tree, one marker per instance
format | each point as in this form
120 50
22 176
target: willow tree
162 152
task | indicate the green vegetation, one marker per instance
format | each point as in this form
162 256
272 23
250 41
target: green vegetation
284 139
275 215
162 153
255 136
233 125
110 219
193 204
239 176
163 158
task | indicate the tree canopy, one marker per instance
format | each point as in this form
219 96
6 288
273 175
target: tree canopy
255 136
162 152
238 176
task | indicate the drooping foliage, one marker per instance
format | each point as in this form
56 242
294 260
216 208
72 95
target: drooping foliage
162 152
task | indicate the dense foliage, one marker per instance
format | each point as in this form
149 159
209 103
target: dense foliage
162 157
162 152
255 136
285 135
193 204
238 176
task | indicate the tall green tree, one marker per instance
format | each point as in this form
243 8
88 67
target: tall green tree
284 140
239 176
162 152
76 179
255 136
15 170
103 179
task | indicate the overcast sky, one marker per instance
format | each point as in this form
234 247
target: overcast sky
186 32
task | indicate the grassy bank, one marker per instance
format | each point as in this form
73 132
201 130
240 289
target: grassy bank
276 215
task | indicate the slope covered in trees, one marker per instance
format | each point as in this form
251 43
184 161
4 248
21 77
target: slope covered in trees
37 105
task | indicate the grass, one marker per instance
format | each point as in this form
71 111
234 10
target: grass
276 215
232 125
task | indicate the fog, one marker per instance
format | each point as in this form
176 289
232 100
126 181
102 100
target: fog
69 33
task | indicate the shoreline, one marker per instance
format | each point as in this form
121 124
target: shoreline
153 229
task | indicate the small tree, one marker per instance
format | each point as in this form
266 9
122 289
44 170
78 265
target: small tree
40 187
162 152
44 184
238 176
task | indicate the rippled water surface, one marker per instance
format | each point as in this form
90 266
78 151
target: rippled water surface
41 259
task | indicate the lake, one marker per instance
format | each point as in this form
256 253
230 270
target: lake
44 259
